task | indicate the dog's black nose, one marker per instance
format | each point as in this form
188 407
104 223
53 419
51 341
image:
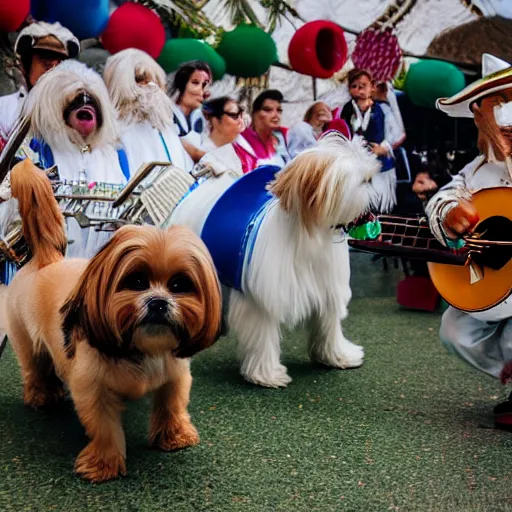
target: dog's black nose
155 305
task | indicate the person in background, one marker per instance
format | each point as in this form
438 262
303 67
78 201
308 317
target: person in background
225 149
394 128
432 173
305 133
136 84
367 119
224 117
384 96
190 87
40 47
265 128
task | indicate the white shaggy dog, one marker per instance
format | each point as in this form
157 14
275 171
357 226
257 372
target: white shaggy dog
74 125
137 86
71 113
293 271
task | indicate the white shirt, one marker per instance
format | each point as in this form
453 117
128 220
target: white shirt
300 137
222 159
10 109
101 165
185 127
207 144
393 131
144 144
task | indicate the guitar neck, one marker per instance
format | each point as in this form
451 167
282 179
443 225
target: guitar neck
409 238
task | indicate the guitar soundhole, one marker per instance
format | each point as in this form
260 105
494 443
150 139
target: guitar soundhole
498 229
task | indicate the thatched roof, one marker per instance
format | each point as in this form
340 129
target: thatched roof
466 43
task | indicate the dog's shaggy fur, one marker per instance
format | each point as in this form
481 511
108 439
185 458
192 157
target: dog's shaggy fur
113 328
137 86
53 93
296 272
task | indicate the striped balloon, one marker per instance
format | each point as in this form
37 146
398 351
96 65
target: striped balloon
378 51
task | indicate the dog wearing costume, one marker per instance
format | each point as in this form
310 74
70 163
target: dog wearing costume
74 126
271 234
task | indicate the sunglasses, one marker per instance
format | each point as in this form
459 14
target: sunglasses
234 115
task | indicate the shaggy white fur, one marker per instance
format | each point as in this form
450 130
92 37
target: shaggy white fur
137 86
42 29
51 95
297 273
96 156
124 73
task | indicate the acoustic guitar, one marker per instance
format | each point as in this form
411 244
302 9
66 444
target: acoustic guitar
474 278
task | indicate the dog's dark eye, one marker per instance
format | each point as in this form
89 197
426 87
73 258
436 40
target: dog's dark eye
181 283
138 282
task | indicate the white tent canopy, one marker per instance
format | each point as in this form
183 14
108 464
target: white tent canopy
423 22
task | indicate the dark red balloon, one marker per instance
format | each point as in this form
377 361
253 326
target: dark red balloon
318 49
12 14
134 26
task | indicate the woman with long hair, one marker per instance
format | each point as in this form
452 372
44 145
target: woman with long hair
189 89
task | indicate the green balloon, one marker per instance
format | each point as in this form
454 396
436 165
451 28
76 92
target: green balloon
428 80
178 51
248 51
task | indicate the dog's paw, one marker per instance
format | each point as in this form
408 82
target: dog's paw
350 356
38 397
174 436
353 351
269 379
99 467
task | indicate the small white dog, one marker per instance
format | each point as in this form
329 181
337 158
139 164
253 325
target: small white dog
290 270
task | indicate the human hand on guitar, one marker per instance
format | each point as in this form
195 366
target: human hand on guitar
461 219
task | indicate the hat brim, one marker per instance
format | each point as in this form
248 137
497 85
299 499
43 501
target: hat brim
51 48
459 105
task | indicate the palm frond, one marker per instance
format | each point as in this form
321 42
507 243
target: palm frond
278 9
240 12
183 14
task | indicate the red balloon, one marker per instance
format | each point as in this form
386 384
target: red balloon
134 26
13 14
318 49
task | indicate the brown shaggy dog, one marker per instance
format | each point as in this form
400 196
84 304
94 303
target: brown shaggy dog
113 328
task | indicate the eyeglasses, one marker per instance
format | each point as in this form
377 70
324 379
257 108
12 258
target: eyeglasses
234 115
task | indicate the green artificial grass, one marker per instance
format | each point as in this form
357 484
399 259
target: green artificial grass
407 431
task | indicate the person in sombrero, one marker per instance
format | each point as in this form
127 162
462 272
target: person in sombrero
482 339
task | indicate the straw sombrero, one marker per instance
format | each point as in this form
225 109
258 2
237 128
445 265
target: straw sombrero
496 76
